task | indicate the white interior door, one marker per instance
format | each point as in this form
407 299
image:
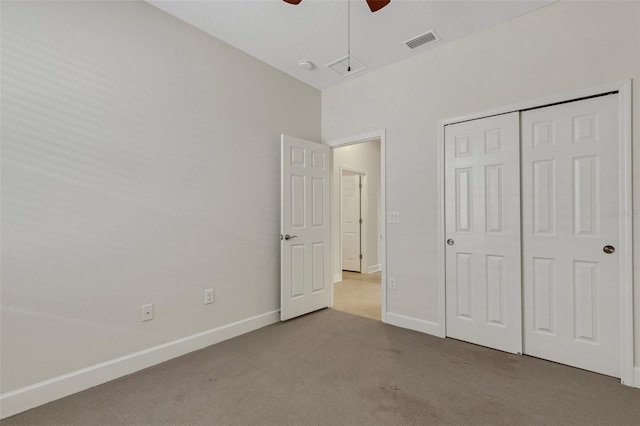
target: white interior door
571 285
482 202
351 223
305 248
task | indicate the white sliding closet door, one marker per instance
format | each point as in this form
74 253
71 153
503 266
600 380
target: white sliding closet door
571 284
482 187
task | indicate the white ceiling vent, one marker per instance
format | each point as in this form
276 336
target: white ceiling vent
422 40
341 65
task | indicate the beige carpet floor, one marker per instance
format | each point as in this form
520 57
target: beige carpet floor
334 368
359 294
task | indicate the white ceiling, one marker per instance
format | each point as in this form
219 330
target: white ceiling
281 34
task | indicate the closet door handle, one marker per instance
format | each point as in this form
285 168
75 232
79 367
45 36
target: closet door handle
450 242
609 249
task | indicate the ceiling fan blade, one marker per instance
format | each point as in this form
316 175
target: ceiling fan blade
376 5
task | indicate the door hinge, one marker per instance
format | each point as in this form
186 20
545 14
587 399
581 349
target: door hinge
360 257
360 220
360 186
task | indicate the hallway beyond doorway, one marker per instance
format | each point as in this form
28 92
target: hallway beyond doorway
359 294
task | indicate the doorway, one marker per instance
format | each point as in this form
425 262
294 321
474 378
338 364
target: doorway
358 260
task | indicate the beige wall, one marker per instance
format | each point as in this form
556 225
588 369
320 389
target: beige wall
140 164
562 47
362 157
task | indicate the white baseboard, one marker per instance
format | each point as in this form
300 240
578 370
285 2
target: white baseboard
337 278
31 396
416 324
636 378
374 268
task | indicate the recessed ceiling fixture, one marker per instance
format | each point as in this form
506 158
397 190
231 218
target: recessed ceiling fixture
422 40
305 65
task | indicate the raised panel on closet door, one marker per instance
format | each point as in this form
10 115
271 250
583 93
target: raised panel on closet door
483 290
571 286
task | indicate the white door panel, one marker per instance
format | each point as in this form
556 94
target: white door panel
482 187
305 215
351 237
571 287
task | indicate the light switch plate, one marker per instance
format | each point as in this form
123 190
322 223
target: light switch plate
394 217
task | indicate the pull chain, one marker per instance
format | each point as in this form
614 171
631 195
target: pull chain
349 36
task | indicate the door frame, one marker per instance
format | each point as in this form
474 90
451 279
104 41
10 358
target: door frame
352 140
624 89
364 215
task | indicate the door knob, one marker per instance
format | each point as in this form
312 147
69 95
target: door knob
608 249
290 237
450 241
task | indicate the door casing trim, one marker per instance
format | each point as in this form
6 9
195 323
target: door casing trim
624 89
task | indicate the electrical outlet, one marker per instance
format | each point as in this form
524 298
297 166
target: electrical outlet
147 312
209 296
392 283
394 217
